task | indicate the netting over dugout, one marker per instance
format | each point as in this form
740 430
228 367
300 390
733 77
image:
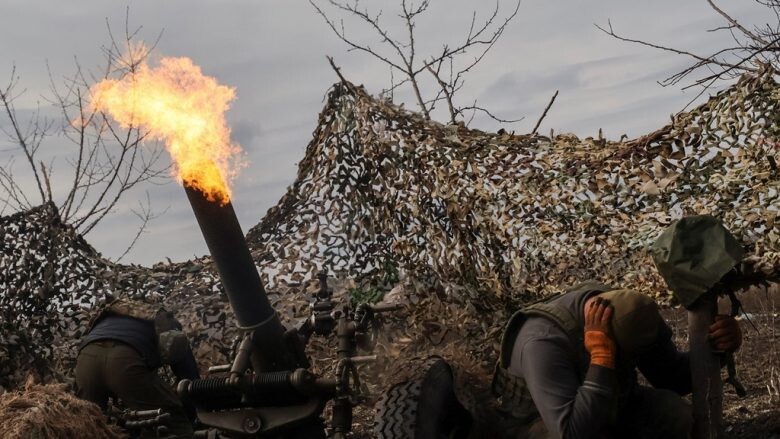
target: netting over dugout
382 189
380 186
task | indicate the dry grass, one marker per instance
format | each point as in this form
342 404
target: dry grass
51 412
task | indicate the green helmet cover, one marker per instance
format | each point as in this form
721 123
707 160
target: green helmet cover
693 254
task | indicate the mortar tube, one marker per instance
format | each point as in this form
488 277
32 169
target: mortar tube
241 282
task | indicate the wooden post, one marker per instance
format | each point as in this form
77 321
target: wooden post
705 371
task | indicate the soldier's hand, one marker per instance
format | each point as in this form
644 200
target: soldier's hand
725 334
598 315
598 341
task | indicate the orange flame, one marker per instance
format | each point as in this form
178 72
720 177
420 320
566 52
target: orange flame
176 103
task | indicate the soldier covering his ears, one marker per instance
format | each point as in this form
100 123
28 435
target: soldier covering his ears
568 366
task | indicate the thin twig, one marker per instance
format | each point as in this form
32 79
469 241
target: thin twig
6 99
336 69
475 107
544 114
735 66
47 182
734 23
708 59
447 94
144 214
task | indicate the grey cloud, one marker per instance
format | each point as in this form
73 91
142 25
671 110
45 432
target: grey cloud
244 132
273 52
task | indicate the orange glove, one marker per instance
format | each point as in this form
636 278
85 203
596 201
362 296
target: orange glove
598 342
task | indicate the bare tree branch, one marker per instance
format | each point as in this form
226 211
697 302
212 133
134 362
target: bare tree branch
446 92
733 23
735 66
475 107
106 160
27 142
11 188
145 215
404 57
373 21
708 59
47 182
753 50
544 114
337 69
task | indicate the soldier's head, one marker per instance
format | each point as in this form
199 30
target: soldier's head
635 320
696 255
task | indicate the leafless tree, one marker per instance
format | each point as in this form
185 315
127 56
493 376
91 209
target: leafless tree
106 161
754 47
402 57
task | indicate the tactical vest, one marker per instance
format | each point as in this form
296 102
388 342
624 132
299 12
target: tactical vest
166 327
512 391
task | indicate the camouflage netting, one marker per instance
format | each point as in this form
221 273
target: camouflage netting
467 213
381 187
51 278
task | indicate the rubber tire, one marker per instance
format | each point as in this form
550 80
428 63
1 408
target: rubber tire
422 406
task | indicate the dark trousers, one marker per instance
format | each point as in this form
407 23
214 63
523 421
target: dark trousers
654 414
647 414
111 368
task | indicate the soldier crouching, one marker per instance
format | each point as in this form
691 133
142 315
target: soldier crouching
568 366
119 357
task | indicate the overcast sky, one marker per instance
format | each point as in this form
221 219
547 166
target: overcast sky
273 53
